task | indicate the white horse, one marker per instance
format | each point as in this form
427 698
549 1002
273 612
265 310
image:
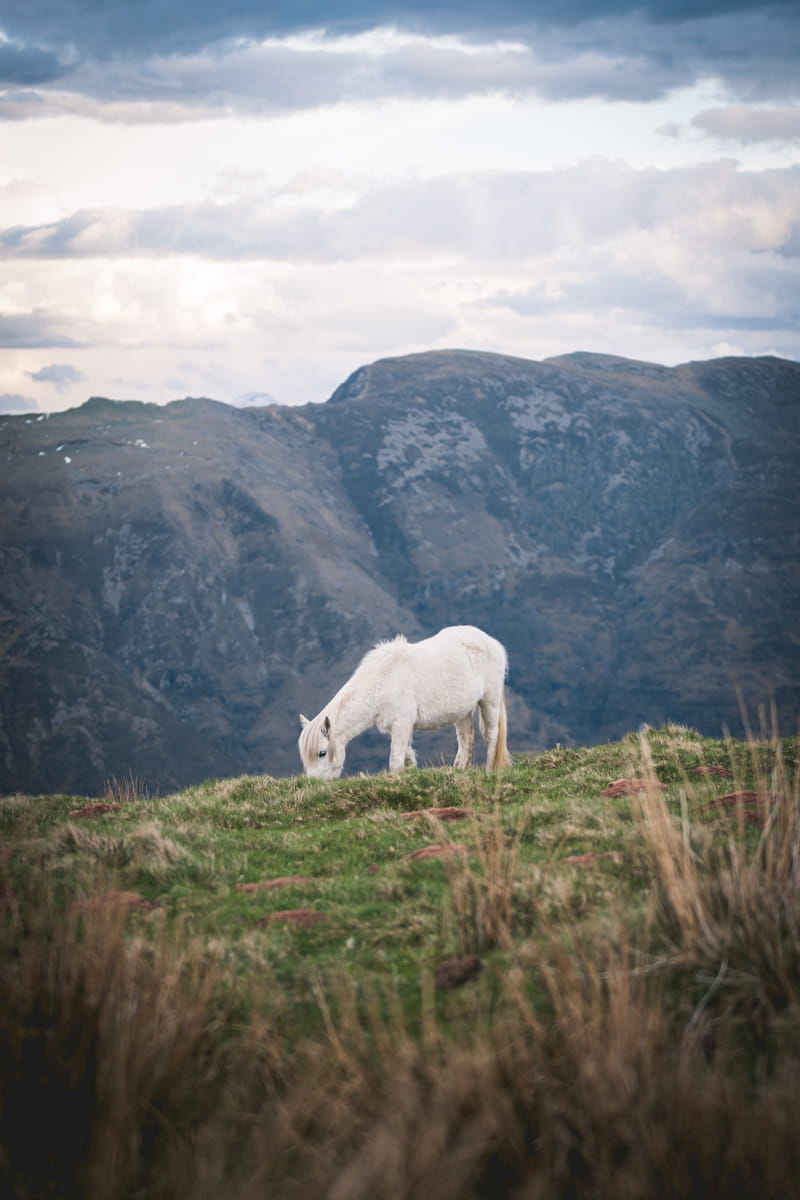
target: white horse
401 686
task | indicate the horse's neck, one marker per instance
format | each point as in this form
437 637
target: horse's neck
351 712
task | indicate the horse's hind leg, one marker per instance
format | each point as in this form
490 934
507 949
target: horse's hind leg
489 719
465 732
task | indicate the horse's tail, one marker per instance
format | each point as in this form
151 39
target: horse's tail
501 758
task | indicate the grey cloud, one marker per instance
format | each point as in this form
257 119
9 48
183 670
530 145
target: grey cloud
275 77
154 68
32 330
12 402
737 123
26 66
745 323
61 375
185 25
627 59
552 70
743 290
612 288
232 231
754 53
659 301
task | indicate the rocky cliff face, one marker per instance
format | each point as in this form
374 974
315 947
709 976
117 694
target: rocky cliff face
177 583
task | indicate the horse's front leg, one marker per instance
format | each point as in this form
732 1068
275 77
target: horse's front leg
401 753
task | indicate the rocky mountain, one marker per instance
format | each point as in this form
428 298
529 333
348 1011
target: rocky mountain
178 582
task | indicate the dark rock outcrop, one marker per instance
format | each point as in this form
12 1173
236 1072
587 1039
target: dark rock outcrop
177 583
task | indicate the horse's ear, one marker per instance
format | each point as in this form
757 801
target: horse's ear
326 724
304 721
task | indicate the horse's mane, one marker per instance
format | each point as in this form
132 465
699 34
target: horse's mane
380 649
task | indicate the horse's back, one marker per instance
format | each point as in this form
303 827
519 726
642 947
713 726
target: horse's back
460 651
457 656
468 638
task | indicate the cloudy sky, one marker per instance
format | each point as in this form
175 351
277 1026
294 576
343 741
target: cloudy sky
253 199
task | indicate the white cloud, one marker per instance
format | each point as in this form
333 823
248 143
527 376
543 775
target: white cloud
265 214
289 298
495 216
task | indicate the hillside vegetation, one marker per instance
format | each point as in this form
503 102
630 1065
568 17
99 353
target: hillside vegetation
267 987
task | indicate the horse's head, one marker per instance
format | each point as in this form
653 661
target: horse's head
322 757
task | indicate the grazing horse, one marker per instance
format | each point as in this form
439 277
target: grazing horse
401 686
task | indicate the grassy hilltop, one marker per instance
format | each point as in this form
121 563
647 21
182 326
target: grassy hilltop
286 988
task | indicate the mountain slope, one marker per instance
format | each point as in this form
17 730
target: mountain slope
178 582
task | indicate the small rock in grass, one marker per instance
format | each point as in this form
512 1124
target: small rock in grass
456 971
94 810
754 806
625 787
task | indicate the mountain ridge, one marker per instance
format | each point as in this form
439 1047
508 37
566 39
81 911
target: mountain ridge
178 582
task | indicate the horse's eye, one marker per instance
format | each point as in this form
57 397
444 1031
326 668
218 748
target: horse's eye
322 753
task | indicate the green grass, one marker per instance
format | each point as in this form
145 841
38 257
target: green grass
195 1046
